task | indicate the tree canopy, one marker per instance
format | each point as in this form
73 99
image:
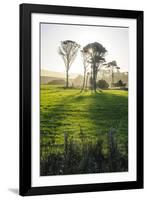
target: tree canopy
68 51
96 53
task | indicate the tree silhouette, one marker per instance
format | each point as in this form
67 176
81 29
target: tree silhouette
96 53
87 79
102 84
68 51
120 83
112 65
85 57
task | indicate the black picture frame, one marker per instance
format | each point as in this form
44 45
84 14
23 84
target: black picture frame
25 188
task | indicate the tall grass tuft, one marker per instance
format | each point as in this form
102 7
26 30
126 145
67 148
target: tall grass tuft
84 156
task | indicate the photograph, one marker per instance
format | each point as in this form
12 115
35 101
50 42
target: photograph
84 88
81 99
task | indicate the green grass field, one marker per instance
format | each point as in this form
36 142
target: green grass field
69 111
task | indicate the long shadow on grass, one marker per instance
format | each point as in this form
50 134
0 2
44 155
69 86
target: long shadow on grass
94 112
102 110
52 118
53 124
105 110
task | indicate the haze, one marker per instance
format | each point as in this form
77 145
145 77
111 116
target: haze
114 39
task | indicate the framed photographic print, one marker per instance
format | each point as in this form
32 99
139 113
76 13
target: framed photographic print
81 99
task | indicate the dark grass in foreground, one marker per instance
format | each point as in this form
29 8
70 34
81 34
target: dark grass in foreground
74 131
88 157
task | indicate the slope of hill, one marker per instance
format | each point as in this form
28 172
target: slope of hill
47 79
48 73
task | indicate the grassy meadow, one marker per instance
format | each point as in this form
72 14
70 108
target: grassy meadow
74 126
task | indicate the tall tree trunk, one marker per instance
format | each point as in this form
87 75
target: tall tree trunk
66 78
94 78
83 86
94 83
86 81
112 79
91 80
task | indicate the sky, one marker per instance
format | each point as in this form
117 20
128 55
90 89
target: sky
114 39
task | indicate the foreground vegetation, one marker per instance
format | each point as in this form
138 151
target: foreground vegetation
83 132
